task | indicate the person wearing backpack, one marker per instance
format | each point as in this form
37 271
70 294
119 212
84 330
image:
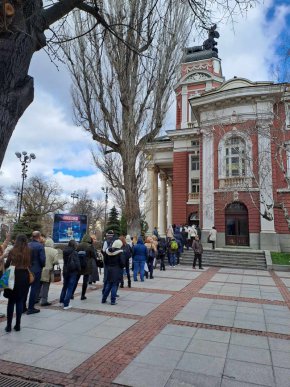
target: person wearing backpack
140 254
87 255
151 247
71 270
172 249
161 250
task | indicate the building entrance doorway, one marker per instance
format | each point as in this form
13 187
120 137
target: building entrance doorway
237 224
193 219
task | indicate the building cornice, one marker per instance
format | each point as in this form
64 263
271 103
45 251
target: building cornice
183 133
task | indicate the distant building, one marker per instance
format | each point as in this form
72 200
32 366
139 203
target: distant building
227 162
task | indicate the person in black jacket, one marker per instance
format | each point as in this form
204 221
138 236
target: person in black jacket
71 270
19 257
162 249
114 262
127 255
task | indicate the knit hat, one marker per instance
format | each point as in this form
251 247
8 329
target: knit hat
117 244
110 232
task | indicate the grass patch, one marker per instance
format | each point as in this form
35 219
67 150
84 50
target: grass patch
280 258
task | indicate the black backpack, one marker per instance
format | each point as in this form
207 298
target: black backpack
71 263
83 259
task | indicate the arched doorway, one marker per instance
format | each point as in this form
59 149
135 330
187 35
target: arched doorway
193 219
237 224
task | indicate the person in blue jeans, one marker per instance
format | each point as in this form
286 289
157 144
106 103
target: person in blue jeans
37 264
114 261
172 250
140 255
71 270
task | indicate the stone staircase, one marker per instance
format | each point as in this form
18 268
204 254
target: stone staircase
233 258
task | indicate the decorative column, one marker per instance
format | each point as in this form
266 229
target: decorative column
184 107
149 198
169 203
163 203
155 197
207 181
268 236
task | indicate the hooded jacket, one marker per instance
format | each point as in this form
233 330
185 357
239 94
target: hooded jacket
87 246
114 262
140 252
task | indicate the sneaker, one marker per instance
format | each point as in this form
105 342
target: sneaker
33 311
114 303
104 302
17 328
60 304
67 307
83 297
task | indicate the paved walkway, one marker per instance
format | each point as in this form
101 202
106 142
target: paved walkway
211 328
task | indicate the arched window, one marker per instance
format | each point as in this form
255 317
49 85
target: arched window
235 157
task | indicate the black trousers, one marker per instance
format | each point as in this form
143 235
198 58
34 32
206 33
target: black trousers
162 263
10 310
198 257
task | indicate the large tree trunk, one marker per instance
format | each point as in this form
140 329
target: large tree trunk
132 208
16 86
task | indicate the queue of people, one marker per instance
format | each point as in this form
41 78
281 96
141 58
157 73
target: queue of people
34 262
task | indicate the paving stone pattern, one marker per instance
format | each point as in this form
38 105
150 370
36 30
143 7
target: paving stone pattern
218 327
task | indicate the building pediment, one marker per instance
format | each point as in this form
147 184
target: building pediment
236 83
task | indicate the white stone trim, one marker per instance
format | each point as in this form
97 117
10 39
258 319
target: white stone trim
207 181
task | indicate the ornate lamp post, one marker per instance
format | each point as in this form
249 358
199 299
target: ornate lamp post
106 191
74 196
24 159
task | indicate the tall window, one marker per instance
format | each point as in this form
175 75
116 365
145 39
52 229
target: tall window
195 163
235 157
194 185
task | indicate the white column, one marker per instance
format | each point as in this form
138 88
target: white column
207 181
163 203
265 177
184 107
155 198
169 203
149 198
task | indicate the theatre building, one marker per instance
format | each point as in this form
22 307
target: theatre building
227 161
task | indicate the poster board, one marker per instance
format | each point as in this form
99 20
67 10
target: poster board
68 226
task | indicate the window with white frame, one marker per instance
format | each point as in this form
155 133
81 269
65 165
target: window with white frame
194 185
287 112
195 162
235 157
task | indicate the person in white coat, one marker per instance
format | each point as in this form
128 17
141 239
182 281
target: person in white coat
212 237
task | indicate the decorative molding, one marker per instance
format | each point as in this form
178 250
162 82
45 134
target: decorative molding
199 66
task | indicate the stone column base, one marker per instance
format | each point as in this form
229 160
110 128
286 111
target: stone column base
269 241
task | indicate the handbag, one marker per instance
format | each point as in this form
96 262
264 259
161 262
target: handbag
8 278
57 274
100 263
31 277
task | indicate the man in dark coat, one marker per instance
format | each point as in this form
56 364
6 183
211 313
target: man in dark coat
114 262
37 263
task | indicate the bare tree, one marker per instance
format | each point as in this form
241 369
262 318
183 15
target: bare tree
42 197
95 210
120 96
23 24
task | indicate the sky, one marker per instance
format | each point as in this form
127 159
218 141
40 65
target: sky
252 47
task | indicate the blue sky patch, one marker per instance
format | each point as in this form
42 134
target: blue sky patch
74 173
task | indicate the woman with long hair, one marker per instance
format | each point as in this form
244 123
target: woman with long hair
19 257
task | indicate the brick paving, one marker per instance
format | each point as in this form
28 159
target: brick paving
113 359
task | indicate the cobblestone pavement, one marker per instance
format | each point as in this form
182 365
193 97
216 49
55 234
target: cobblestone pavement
214 328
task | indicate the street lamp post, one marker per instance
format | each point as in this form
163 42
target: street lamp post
24 160
74 196
106 191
